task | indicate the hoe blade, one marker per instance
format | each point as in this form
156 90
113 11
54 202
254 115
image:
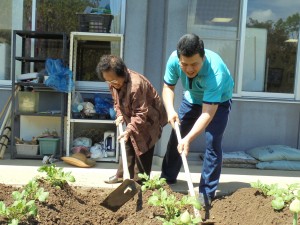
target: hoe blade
122 194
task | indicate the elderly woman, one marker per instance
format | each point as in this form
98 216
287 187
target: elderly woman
137 104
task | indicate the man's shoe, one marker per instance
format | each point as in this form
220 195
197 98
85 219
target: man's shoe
204 200
114 180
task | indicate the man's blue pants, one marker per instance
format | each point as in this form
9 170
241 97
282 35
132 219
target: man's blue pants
212 164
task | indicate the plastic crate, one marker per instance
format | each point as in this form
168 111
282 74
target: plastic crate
99 23
25 149
28 102
49 146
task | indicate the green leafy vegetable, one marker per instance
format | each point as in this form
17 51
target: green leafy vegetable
24 203
151 184
56 176
172 208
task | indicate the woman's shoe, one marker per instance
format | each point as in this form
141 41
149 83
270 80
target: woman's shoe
114 180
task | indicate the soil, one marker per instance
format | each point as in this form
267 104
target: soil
81 206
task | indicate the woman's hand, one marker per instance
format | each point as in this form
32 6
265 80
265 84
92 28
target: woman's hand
124 135
119 120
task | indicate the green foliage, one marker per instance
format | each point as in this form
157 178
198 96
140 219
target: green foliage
264 188
19 210
173 207
278 203
33 191
24 203
282 196
57 15
152 184
56 176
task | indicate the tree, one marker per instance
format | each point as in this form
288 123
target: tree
280 53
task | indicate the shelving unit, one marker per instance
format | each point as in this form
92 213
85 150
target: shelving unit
51 103
105 43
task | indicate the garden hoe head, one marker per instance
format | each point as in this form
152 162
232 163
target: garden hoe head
127 189
122 194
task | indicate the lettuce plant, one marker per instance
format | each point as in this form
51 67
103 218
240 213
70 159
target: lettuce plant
173 208
24 203
56 176
152 184
33 191
282 196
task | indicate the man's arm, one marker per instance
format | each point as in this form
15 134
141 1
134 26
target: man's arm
168 99
208 112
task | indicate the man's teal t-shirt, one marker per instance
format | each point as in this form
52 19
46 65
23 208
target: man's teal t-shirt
212 85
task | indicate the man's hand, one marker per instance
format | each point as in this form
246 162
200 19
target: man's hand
184 146
119 120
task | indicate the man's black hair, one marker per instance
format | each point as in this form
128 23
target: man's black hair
189 45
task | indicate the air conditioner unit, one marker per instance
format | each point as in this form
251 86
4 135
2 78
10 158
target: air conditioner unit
4 61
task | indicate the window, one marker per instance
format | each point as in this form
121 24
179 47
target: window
71 18
49 16
271 42
217 24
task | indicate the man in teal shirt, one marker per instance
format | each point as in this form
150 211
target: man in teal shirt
205 107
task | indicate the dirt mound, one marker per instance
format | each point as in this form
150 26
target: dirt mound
247 206
78 206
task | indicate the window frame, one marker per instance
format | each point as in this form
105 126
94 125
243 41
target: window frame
263 95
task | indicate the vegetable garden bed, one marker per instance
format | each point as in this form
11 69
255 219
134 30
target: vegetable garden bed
72 205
